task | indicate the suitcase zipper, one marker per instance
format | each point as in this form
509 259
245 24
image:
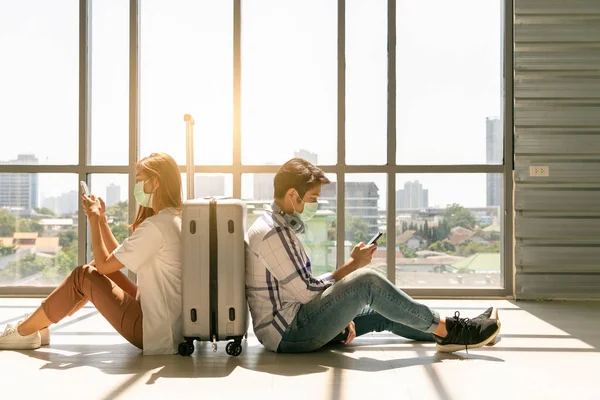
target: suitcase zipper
213 272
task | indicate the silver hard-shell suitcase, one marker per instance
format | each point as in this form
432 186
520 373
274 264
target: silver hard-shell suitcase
213 267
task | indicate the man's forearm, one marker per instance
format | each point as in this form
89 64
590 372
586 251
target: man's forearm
349 267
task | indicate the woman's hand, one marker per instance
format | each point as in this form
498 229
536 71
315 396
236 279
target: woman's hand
92 206
102 208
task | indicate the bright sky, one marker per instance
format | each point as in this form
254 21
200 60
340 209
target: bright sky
448 82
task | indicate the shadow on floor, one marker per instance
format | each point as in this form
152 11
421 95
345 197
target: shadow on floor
124 359
577 318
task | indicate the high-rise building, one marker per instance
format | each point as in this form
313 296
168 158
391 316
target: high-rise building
362 199
209 185
113 194
413 196
494 147
312 158
65 204
19 190
263 186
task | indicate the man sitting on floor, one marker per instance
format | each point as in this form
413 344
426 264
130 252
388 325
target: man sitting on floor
295 312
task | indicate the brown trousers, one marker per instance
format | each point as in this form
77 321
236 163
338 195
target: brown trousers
85 284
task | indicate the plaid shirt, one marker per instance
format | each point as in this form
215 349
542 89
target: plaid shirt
278 277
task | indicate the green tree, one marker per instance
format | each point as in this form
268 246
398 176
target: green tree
67 239
407 252
331 231
118 212
426 232
7 223
441 232
358 229
7 250
29 225
443 246
120 232
382 241
24 267
63 264
457 215
44 211
470 247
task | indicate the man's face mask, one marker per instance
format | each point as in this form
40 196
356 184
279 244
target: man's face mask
310 209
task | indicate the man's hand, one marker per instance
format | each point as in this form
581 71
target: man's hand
351 332
360 256
363 254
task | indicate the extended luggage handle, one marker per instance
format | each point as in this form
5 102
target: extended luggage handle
189 158
217 198
189 155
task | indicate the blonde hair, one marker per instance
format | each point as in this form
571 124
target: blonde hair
164 169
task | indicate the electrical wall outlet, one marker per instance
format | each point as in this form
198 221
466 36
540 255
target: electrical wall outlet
539 171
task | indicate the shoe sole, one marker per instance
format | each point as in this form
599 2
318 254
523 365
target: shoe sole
495 315
451 348
20 345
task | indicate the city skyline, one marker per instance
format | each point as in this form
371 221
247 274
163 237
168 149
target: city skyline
221 184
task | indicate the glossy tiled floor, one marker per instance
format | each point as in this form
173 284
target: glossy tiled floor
547 351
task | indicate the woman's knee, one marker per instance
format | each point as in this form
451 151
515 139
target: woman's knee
82 272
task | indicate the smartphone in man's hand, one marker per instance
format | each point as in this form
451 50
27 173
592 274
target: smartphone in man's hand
374 238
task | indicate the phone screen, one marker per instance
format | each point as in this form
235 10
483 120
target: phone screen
84 188
374 238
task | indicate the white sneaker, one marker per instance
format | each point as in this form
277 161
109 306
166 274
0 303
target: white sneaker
45 337
44 333
11 339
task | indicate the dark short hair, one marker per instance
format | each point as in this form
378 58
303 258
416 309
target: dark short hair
298 174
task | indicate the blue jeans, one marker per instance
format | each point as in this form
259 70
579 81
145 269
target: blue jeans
366 298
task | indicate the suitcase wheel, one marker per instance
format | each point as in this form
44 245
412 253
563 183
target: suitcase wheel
233 349
186 349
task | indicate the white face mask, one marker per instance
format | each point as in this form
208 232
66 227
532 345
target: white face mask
310 209
144 199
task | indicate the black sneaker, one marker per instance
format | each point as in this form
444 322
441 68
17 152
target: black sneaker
491 312
465 333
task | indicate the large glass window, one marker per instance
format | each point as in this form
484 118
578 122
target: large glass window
38 228
209 185
366 82
187 68
114 190
272 69
289 84
448 230
365 214
448 75
110 82
39 81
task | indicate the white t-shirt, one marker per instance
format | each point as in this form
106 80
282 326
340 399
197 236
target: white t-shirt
153 251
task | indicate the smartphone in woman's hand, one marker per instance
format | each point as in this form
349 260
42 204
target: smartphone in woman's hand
84 188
